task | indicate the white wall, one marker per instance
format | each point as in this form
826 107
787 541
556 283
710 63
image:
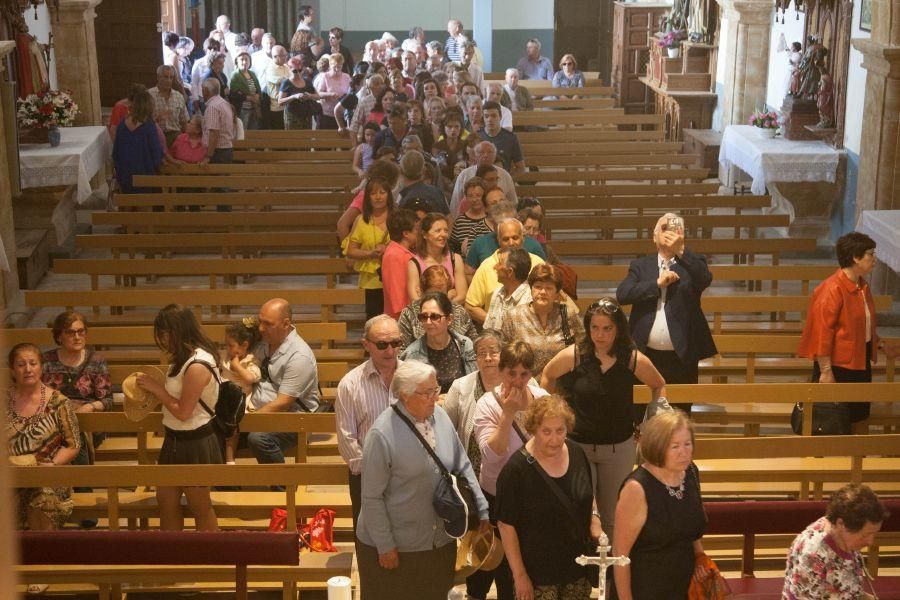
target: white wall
390 15
720 73
856 88
40 29
779 69
523 14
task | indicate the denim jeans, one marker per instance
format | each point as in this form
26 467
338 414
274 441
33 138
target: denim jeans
269 447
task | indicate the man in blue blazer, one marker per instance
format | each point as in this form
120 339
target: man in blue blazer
667 321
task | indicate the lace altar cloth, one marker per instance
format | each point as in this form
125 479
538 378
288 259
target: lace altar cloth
775 159
883 226
82 152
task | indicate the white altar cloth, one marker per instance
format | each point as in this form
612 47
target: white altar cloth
82 152
775 159
883 226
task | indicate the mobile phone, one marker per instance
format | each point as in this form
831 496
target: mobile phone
674 224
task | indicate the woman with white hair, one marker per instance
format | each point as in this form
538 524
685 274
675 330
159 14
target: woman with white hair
404 551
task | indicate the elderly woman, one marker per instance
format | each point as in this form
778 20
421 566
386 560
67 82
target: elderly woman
548 323
298 96
498 421
331 85
41 429
434 279
597 377
404 552
216 64
541 551
451 354
188 398
568 75
659 516
244 81
825 559
77 372
839 334
472 223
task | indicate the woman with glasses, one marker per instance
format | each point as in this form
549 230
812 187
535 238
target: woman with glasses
404 552
451 354
298 97
568 75
499 422
434 279
189 399
839 334
77 372
597 376
548 322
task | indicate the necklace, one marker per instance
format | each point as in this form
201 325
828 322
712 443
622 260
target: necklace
677 493
19 422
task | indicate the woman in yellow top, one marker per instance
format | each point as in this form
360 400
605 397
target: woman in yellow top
368 239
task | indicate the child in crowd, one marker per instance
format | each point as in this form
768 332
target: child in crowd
365 152
241 366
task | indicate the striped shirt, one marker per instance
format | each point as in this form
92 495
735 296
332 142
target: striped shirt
218 116
170 113
361 397
465 228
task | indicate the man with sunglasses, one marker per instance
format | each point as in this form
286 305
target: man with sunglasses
363 394
667 321
289 383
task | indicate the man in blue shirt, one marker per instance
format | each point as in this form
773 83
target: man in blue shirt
507 143
412 167
533 65
485 245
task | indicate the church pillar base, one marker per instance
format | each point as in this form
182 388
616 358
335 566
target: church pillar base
76 56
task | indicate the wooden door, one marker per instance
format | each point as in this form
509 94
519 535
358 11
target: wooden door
584 29
129 46
171 15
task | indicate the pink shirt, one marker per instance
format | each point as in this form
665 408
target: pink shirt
393 278
183 150
340 84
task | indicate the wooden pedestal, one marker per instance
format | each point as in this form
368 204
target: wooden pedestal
32 256
683 109
797 114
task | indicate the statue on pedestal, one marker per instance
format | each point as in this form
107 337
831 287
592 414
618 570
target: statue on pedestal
824 100
794 59
810 68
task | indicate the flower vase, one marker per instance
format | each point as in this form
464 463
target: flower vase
54 136
767 132
674 52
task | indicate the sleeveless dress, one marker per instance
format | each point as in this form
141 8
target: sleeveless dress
662 558
447 263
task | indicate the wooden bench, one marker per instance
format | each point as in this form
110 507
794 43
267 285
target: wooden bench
227 244
553 144
576 137
322 140
574 103
152 222
138 549
603 202
338 183
259 153
169 201
610 174
698 225
673 191
738 248
750 519
575 162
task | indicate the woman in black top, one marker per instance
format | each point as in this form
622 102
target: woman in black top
545 507
301 98
597 377
659 517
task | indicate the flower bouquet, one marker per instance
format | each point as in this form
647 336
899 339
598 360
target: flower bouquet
767 122
38 113
671 41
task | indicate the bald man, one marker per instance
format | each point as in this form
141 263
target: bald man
485 154
289 381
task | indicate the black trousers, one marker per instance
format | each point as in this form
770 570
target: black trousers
674 371
859 411
355 496
479 583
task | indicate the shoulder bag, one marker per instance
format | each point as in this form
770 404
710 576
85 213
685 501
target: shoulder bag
230 405
454 500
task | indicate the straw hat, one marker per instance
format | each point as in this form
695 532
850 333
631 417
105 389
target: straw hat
23 460
139 402
477 551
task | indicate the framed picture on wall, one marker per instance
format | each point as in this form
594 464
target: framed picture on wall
865 15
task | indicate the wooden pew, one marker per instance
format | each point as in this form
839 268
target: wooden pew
325 299
319 139
659 204
578 136
625 173
573 103
218 221
338 183
264 168
584 145
582 161
697 225
744 247
227 244
336 201
262 154
589 119
669 190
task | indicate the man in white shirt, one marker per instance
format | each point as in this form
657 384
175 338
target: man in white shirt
261 58
485 154
363 394
495 94
512 268
276 72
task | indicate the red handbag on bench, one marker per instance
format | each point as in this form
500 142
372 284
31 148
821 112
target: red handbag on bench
317 534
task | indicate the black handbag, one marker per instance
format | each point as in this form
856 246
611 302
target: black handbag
592 572
454 500
829 418
231 404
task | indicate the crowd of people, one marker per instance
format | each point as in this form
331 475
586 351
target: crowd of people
476 352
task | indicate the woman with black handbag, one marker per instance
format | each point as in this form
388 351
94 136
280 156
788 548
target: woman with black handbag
189 399
545 508
406 548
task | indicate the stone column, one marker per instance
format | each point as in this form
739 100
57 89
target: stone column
746 54
9 281
878 186
76 56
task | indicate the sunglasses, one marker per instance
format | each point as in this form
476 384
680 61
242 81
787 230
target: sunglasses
296 71
75 332
425 317
384 345
605 305
566 64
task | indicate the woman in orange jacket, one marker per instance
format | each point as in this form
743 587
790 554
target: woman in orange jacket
839 334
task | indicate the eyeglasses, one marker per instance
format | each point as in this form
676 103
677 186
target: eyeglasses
430 392
425 317
606 305
487 354
566 64
385 344
75 332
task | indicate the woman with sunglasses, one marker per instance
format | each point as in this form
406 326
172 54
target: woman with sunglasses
451 354
568 75
434 279
298 97
597 376
77 372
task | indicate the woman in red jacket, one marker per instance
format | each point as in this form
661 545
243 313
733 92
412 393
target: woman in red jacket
839 334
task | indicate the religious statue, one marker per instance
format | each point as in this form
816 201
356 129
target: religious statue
824 100
698 21
810 68
31 56
794 57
